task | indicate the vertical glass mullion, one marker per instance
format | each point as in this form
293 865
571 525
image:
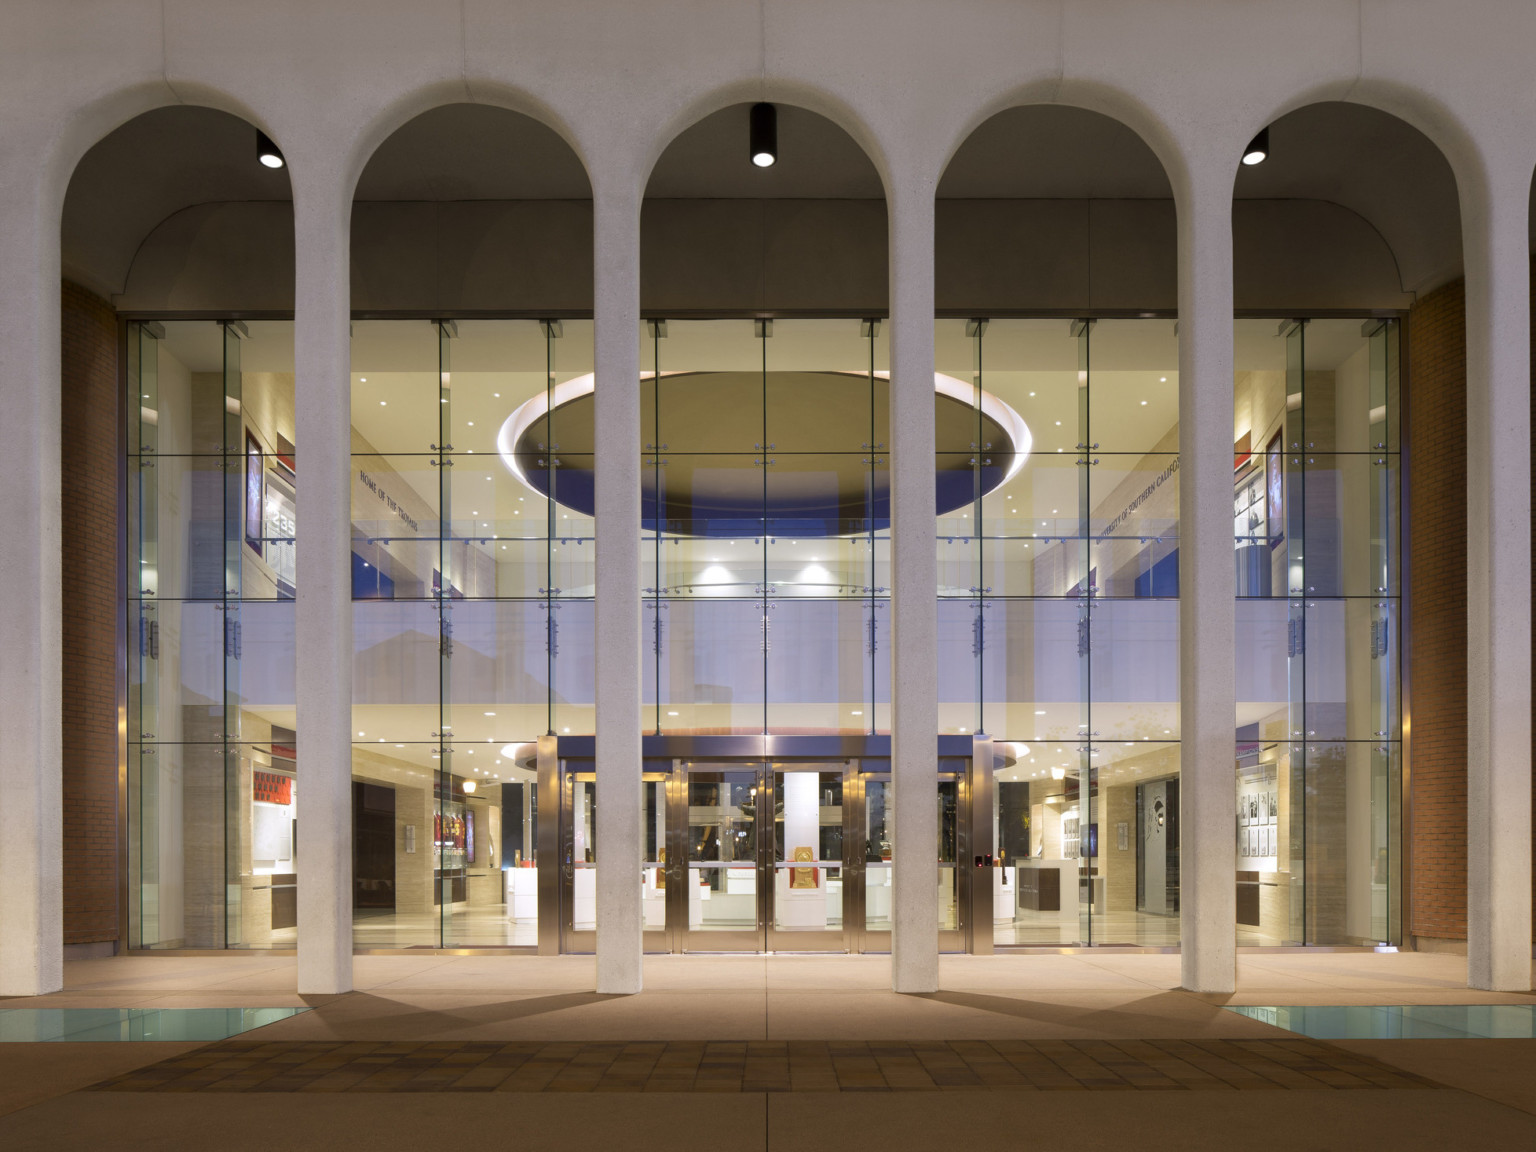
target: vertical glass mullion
1083 330
446 330
143 645
654 330
763 328
1294 468
546 585
872 591
1393 478
978 448
1385 679
233 473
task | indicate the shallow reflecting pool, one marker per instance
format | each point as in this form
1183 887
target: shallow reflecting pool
106 1024
1400 1021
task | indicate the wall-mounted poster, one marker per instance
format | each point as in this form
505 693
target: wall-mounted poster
1274 809
1274 483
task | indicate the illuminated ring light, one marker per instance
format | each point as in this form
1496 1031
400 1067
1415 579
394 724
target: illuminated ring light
819 485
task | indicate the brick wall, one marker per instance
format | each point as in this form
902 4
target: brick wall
89 579
1437 652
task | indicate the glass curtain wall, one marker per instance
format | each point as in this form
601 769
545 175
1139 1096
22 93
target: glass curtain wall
1058 615
472 584
766 512
1316 514
213 788
766 515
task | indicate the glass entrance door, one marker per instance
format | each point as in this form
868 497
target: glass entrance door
807 908
873 813
759 857
721 899
578 858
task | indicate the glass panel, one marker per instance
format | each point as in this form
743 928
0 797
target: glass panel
722 840
877 853
473 623
211 510
583 852
750 504
1058 617
1319 725
949 832
808 851
653 852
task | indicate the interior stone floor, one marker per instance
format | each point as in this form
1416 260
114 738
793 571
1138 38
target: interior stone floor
519 1050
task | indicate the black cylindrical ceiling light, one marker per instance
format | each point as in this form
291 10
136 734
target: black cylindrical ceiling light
1258 149
764 135
267 152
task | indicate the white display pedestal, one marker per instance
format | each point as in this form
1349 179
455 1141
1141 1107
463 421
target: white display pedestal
1004 893
799 907
522 893
584 901
653 902
877 895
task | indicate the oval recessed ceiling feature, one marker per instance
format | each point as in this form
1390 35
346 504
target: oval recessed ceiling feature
704 474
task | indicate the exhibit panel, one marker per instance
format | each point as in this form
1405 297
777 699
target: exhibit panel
472 617
1317 506
212 790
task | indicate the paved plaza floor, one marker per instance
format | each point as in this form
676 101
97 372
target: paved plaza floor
769 1052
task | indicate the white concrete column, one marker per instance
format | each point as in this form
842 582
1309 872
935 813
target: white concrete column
1494 235
31 796
1207 580
616 328
322 211
914 589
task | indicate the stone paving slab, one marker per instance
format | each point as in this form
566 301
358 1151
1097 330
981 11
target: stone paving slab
765 1066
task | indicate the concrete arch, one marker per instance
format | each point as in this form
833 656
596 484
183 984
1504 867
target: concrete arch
363 143
809 97
1117 104
86 127
1415 107
1424 230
